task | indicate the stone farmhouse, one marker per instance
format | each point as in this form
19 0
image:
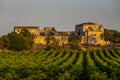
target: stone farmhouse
90 33
40 35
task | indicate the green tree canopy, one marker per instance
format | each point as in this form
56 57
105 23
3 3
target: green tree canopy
112 36
4 41
17 42
28 37
51 42
26 33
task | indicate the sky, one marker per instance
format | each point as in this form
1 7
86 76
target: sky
61 14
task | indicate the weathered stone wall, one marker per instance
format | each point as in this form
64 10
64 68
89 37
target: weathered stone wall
49 29
91 33
32 30
94 37
61 39
41 39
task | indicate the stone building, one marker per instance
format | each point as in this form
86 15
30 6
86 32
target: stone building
32 29
40 35
91 33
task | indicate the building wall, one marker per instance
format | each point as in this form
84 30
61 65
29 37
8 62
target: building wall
41 39
49 29
61 39
94 38
90 27
32 30
91 33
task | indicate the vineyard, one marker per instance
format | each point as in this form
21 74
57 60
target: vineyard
60 65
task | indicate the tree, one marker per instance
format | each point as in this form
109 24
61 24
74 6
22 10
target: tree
28 37
112 36
1 44
74 42
4 41
51 42
47 39
17 42
26 33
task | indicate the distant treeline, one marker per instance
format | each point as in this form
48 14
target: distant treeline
112 36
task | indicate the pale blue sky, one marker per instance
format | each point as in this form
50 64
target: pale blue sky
61 14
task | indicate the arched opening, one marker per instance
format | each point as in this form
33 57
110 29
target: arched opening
51 33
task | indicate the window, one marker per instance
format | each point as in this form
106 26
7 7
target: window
18 30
